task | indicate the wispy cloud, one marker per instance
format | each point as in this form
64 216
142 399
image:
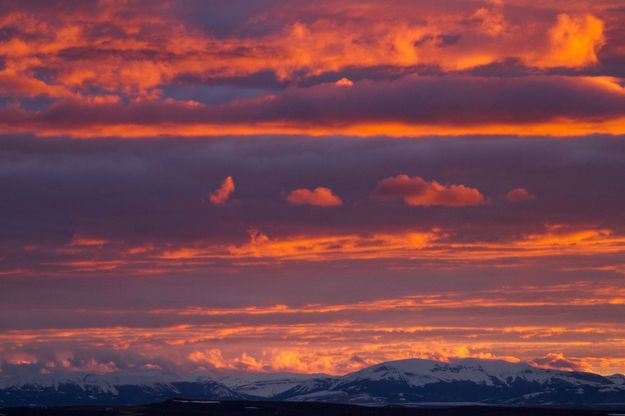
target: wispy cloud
223 193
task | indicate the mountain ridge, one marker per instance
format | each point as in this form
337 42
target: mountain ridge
409 381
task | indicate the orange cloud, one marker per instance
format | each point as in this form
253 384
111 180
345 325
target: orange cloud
491 19
557 129
416 191
553 296
344 82
435 248
327 346
558 361
262 337
14 83
561 237
518 195
573 42
223 193
335 247
557 240
319 197
368 108
82 240
123 50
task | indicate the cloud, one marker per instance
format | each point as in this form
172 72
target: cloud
326 247
318 197
518 195
558 361
158 190
574 42
134 208
344 82
406 106
416 191
110 69
222 194
81 240
120 48
300 346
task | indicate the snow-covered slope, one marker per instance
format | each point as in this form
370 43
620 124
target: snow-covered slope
265 385
461 380
112 388
404 381
102 381
484 372
617 378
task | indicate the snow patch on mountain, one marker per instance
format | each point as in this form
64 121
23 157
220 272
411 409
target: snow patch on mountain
265 385
410 381
417 373
102 382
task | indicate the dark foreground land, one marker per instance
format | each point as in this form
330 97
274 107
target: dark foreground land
251 408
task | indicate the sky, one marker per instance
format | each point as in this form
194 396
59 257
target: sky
267 186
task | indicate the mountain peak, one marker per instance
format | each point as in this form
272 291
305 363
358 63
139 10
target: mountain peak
401 381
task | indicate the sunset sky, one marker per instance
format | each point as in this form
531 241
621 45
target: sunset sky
234 185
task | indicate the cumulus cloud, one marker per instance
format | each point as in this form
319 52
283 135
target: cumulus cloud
222 194
344 82
416 191
574 42
558 361
319 197
518 195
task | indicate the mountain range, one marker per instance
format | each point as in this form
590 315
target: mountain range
411 381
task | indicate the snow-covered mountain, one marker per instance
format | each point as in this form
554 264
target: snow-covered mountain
113 388
397 382
462 380
618 379
265 385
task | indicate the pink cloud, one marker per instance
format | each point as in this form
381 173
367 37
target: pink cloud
319 197
222 194
518 195
416 191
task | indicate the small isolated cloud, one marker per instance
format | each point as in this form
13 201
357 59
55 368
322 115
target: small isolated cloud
319 197
558 361
222 194
82 240
416 191
344 82
518 195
